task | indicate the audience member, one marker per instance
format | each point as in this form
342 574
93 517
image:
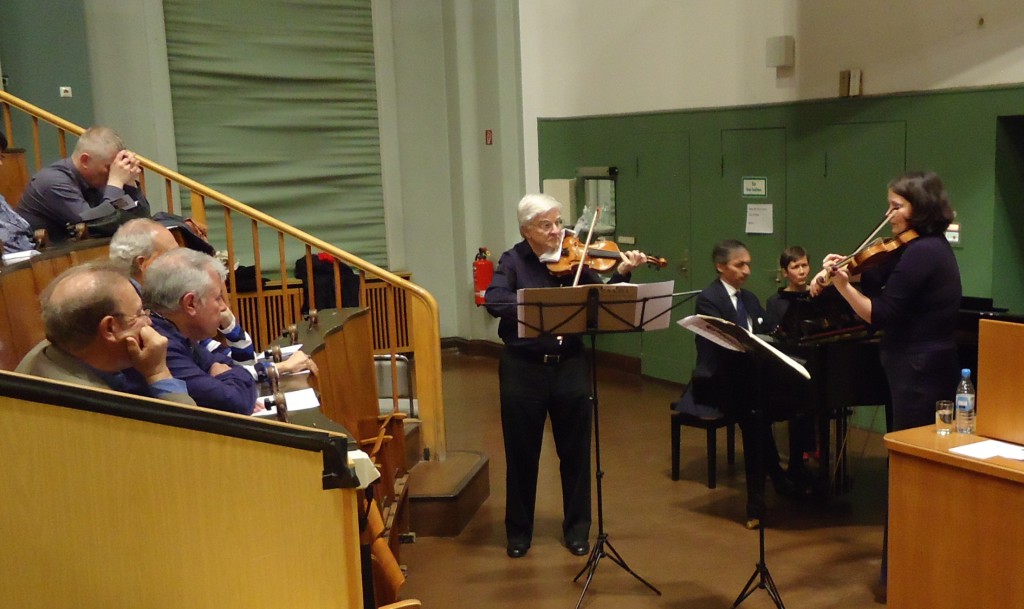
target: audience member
137 243
185 289
98 335
98 180
15 232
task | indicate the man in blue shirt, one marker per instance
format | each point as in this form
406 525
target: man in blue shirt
185 289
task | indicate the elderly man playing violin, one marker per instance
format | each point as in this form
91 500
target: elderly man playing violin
542 377
914 297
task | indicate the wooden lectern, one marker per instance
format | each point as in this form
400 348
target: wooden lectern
955 522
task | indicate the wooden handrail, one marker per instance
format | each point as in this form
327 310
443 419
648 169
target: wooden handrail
424 319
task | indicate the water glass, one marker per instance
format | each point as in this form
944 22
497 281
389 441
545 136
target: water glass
944 417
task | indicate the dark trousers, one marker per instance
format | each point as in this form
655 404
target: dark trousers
757 439
916 381
532 391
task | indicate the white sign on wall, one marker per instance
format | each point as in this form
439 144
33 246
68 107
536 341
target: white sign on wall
759 219
755 187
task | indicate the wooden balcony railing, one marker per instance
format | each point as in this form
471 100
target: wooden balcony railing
405 316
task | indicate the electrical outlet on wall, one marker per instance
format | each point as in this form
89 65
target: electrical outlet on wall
65 91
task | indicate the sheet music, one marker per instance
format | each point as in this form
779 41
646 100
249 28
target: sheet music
730 336
656 300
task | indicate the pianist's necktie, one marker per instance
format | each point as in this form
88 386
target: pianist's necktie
741 312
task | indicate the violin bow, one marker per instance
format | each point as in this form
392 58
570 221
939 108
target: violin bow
586 247
861 247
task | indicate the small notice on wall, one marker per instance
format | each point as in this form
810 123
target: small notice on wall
759 219
755 187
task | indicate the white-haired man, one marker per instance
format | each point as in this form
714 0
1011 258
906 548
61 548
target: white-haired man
99 178
541 377
185 289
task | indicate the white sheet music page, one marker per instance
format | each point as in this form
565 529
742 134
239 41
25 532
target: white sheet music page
654 302
730 336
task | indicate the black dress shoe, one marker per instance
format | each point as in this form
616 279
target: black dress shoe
517 550
578 548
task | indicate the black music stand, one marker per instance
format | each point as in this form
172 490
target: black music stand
593 310
727 334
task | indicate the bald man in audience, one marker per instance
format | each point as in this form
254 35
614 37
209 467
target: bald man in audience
100 177
98 335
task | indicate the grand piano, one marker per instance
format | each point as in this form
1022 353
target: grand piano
835 346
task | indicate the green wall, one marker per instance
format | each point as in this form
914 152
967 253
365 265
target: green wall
827 164
43 47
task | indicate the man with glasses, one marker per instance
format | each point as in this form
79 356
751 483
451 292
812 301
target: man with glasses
541 377
185 289
98 335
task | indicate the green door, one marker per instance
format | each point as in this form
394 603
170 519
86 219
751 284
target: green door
746 154
662 185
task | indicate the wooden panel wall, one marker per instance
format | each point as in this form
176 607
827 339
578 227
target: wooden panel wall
102 511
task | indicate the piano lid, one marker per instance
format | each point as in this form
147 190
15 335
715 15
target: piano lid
813 319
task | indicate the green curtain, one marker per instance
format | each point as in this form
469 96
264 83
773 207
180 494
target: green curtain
275 104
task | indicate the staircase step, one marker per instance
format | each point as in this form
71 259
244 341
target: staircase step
444 495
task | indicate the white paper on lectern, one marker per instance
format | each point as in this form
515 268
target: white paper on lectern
711 328
987 449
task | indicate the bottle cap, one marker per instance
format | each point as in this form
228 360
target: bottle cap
965 372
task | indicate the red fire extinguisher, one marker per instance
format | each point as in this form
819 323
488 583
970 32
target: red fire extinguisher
483 272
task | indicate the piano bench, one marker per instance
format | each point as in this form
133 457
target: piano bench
711 426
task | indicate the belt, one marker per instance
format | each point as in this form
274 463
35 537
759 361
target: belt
545 358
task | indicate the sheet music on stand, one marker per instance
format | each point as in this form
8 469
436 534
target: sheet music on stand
624 307
730 336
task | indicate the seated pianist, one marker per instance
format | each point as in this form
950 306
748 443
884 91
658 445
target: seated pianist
185 289
98 335
98 179
722 379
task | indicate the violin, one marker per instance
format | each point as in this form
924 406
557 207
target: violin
601 255
877 253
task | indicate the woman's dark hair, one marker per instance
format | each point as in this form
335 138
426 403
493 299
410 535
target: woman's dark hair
791 254
3 141
930 210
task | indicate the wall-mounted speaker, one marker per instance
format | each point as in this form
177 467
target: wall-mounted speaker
780 52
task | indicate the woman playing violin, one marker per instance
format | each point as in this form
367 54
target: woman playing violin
542 377
914 297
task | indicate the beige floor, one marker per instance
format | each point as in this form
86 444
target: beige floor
686 539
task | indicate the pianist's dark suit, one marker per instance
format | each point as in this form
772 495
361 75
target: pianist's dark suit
724 380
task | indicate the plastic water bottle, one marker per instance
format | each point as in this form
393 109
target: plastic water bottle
965 406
